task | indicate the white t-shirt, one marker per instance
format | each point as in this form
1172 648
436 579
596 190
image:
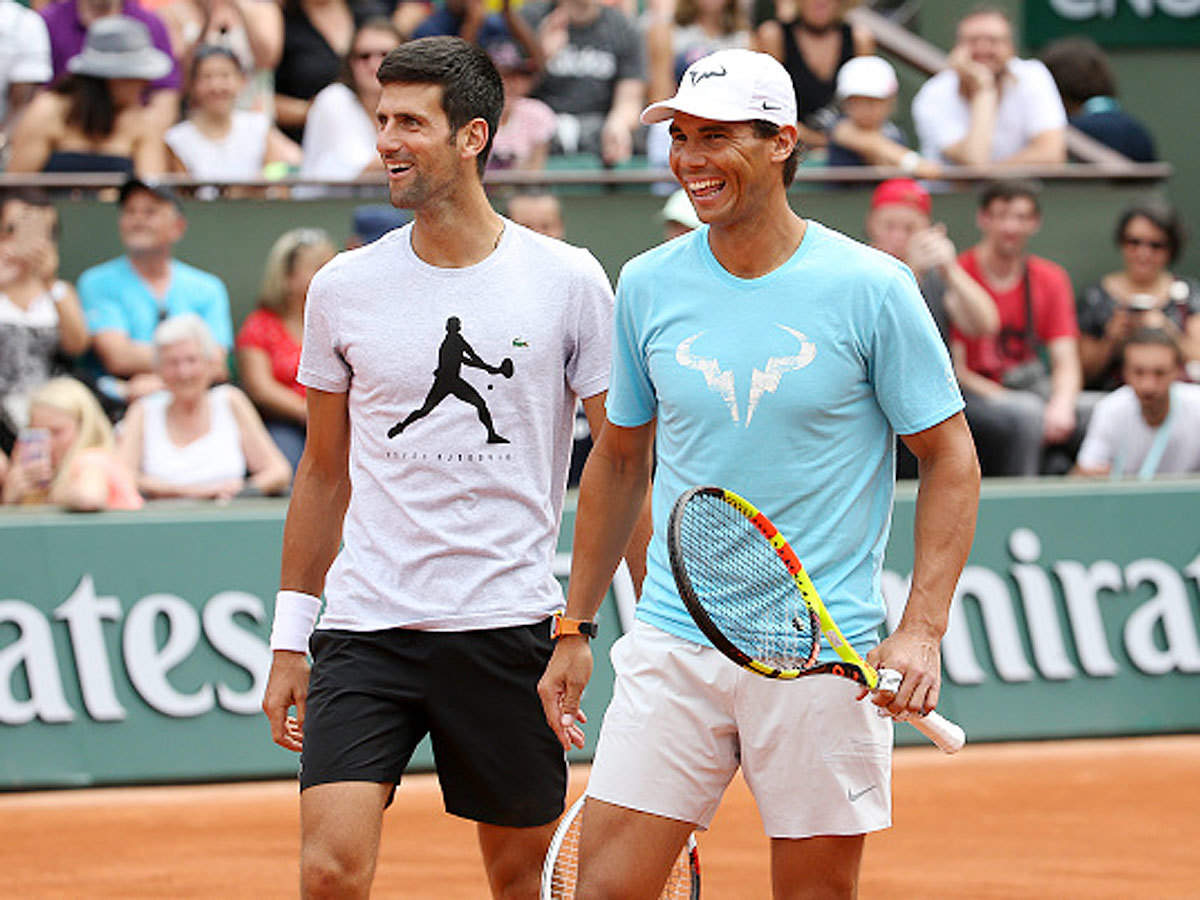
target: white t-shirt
446 531
24 49
339 136
1029 105
1117 433
215 456
238 155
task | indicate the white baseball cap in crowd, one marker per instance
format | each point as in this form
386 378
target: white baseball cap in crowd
678 208
867 76
731 86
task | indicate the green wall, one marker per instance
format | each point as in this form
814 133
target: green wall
133 645
232 237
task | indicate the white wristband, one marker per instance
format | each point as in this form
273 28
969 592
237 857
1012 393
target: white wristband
909 161
295 614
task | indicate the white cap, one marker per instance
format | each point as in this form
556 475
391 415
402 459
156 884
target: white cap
731 86
867 76
678 208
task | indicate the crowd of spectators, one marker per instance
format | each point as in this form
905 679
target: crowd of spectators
238 90
252 89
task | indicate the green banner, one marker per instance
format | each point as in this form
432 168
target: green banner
133 646
1114 23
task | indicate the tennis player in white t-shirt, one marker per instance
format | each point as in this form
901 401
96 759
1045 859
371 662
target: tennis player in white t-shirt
442 363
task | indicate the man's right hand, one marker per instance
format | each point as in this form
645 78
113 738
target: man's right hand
287 686
562 685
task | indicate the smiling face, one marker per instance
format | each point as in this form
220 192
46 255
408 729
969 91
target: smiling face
421 155
371 45
1145 249
1150 369
728 171
217 84
149 224
1007 225
891 228
988 39
185 368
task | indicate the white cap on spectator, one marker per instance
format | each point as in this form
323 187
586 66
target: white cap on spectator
678 208
731 86
867 76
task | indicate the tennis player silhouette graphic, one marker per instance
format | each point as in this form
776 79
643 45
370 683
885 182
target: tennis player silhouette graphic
453 354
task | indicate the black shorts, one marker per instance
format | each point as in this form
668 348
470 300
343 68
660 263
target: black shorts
374 695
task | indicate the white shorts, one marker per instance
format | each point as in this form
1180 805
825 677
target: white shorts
683 718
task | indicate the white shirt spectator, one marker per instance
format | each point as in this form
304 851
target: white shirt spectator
237 156
1118 436
339 136
1029 105
24 50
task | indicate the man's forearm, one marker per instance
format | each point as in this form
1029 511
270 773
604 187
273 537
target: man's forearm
943 530
310 542
611 496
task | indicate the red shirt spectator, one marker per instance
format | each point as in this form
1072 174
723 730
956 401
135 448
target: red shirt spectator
265 330
1053 303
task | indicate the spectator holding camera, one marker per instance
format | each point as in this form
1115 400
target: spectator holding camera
1144 293
195 439
1151 426
66 456
40 316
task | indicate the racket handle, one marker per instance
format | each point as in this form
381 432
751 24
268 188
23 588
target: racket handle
948 736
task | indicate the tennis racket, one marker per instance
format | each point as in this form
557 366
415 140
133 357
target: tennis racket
748 593
561 869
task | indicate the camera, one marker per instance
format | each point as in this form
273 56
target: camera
1141 303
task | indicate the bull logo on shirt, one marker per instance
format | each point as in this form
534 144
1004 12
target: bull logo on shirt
762 381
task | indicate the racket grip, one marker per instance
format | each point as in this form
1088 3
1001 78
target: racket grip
948 736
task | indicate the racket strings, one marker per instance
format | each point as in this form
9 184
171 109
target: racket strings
744 586
563 879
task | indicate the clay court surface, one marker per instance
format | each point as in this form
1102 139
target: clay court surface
1096 819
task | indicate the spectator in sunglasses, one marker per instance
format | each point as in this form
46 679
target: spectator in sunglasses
1144 293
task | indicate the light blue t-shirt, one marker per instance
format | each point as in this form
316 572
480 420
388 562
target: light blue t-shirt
114 297
788 389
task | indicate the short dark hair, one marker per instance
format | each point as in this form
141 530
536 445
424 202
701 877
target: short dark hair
208 51
1080 69
471 86
1010 189
1163 215
32 196
767 130
987 9
1154 337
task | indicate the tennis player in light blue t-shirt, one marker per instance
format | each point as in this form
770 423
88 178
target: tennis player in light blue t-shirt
775 357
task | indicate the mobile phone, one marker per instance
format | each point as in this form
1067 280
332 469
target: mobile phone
33 446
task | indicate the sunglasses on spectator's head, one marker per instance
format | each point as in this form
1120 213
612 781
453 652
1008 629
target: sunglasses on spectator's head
1130 241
